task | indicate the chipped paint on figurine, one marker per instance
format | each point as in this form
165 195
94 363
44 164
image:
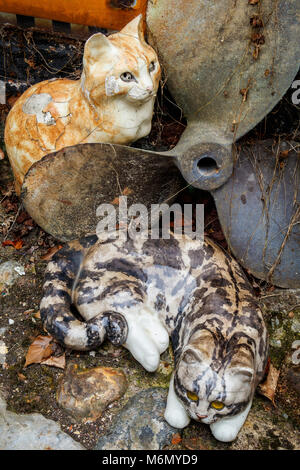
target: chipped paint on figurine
111 103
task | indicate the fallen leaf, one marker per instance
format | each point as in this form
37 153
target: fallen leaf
116 201
194 443
268 387
127 191
54 361
40 349
176 439
21 376
27 312
51 252
17 244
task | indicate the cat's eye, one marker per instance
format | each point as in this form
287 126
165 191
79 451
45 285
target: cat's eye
127 77
152 67
192 396
217 405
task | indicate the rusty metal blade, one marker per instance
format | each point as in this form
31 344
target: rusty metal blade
62 191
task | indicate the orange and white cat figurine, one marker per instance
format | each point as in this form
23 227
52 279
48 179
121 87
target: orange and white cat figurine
112 102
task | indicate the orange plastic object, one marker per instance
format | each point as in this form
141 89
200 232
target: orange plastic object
110 14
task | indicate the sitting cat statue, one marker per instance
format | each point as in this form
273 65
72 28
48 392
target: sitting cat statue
112 102
141 292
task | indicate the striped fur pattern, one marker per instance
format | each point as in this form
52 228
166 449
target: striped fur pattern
141 292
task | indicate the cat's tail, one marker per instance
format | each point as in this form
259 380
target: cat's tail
56 304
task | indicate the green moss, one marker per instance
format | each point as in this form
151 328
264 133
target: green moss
281 335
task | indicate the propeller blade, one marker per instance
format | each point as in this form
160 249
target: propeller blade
62 191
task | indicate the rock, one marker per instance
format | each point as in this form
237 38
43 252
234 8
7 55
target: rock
9 272
87 393
32 432
140 425
3 352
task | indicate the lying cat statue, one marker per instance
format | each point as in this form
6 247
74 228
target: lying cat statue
112 102
141 292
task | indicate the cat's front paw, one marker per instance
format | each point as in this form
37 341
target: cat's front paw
224 432
175 413
146 340
227 429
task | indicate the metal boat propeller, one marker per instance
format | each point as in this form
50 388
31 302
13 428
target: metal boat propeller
227 64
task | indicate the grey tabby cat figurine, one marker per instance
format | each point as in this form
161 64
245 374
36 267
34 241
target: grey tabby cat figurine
141 292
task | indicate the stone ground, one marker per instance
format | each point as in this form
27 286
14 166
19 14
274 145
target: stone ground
33 389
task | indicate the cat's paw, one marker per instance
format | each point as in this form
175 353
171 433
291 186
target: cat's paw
223 431
147 338
157 333
175 413
227 429
142 348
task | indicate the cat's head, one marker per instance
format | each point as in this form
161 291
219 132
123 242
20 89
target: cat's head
214 379
120 65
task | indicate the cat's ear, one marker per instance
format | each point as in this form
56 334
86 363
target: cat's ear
135 28
97 47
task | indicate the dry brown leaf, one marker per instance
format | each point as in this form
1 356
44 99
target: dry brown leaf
51 252
194 443
268 387
27 312
40 349
17 244
176 439
21 376
116 201
54 361
127 191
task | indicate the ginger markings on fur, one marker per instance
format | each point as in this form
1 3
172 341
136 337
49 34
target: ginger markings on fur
111 103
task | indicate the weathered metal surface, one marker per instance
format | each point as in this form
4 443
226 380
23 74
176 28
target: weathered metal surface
62 191
227 64
111 14
259 210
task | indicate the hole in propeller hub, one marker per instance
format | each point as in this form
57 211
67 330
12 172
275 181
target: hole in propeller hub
207 166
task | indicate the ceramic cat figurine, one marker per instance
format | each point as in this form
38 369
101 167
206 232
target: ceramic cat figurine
141 292
112 102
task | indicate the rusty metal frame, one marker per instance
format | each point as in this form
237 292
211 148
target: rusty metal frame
110 14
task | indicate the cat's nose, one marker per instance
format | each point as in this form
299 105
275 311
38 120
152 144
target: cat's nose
149 89
202 416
